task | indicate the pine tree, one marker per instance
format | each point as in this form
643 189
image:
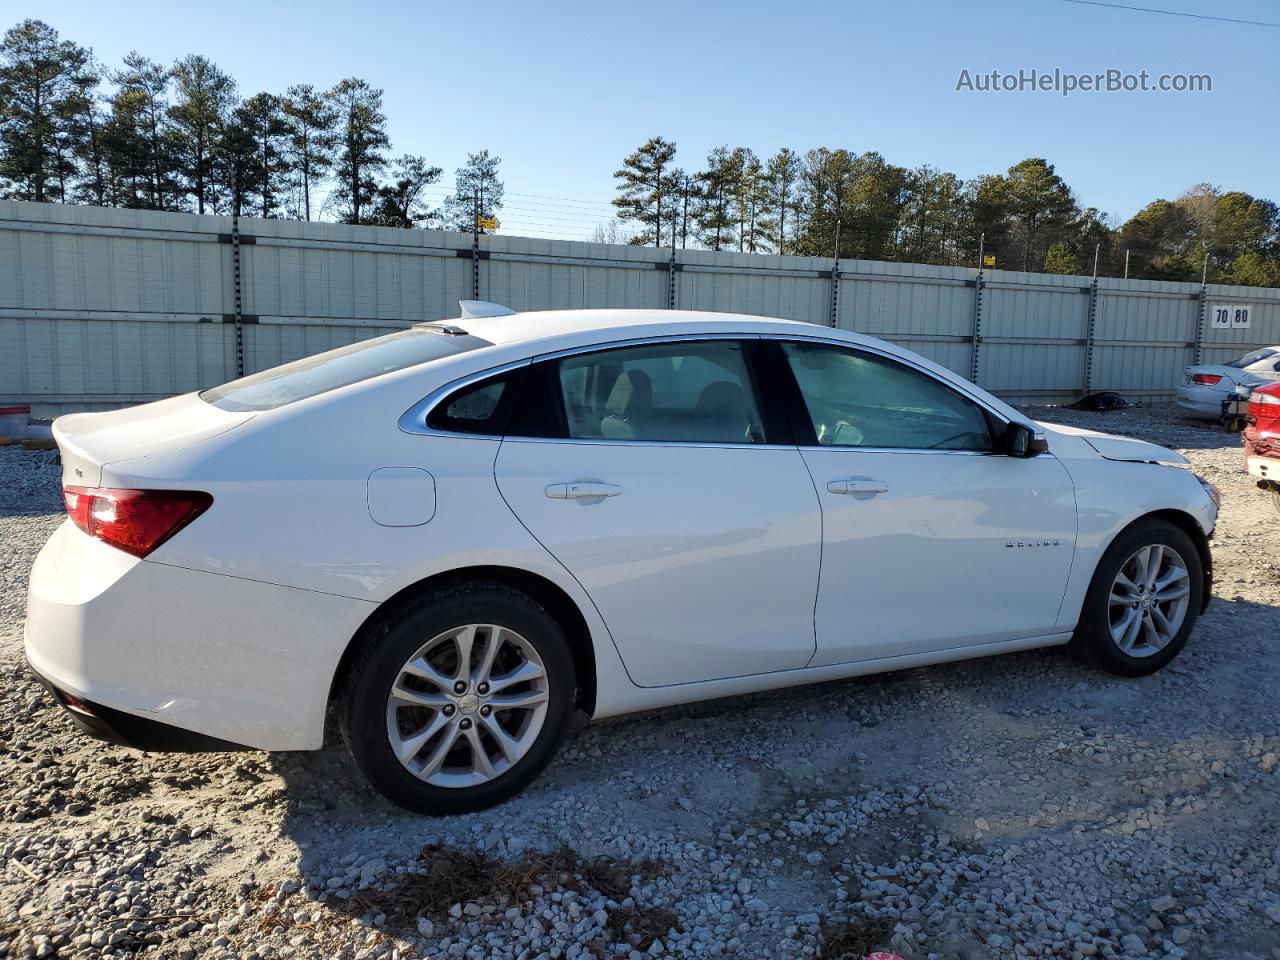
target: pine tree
1038 199
310 119
646 190
824 180
203 99
40 77
362 142
89 122
477 191
714 214
147 83
779 186
746 172
399 201
874 198
260 117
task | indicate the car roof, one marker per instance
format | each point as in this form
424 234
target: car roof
618 324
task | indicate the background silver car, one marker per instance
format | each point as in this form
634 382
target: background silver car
1205 386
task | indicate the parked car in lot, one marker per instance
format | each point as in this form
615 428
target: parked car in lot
1205 387
1262 440
454 536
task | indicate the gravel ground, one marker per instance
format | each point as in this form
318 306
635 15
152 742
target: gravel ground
1024 805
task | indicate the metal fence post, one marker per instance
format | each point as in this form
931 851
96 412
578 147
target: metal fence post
1198 344
671 279
1092 327
238 302
975 365
835 292
475 263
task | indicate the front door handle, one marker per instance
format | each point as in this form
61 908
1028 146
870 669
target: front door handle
582 490
857 486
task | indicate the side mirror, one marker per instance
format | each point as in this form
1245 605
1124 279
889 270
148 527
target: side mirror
1021 440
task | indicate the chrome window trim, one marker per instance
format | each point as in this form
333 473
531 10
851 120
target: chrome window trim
414 420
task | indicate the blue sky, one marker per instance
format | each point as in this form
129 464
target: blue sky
562 91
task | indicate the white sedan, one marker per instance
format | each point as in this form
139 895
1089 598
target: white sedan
1205 387
452 538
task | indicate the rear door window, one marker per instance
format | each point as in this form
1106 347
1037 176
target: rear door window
323 372
678 392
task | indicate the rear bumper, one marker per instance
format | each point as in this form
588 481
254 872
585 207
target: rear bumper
128 730
222 658
1203 401
1264 468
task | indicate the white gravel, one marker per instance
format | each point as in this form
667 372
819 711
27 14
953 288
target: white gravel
1023 806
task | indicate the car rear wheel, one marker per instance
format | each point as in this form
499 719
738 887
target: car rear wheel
459 700
1144 600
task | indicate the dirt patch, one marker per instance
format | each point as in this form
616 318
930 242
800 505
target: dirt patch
853 941
447 876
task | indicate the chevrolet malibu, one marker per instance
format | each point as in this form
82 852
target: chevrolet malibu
452 538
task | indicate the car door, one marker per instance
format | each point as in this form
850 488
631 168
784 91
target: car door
649 472
932 539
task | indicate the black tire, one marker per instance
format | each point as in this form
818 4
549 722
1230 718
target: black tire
362 709
1093 634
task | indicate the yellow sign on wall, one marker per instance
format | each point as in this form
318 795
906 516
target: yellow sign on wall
989 260
487 223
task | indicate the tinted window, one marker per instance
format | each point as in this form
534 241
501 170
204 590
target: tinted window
338 368
481 407
1251 358
681 392
859 400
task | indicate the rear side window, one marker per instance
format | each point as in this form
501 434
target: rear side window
1249 359
680 392
481 408
323 372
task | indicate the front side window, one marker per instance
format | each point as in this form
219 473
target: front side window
681 392
856 399
338 368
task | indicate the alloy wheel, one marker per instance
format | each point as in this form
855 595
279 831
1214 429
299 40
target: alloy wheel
1149 600
467 706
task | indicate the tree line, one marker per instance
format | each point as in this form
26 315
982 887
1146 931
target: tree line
831 203
154 136
179 136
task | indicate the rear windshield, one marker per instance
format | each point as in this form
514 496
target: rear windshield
1251 358
338 368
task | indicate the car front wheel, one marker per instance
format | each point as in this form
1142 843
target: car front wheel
458 701
1144 600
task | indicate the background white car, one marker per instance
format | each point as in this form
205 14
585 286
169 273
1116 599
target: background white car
1204 387
458 534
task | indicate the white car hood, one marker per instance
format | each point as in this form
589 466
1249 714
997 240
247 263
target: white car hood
1112 447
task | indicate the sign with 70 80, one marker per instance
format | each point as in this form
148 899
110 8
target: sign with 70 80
1231 315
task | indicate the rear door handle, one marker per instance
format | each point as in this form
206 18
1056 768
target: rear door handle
582 490
854 486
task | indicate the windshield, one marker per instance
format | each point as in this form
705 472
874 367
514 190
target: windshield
1249 359
338 368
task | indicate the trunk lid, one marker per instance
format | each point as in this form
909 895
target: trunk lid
90 441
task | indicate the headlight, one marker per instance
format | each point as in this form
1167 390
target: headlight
1214 493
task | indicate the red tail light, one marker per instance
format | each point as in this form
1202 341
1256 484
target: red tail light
1206 379
136 521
